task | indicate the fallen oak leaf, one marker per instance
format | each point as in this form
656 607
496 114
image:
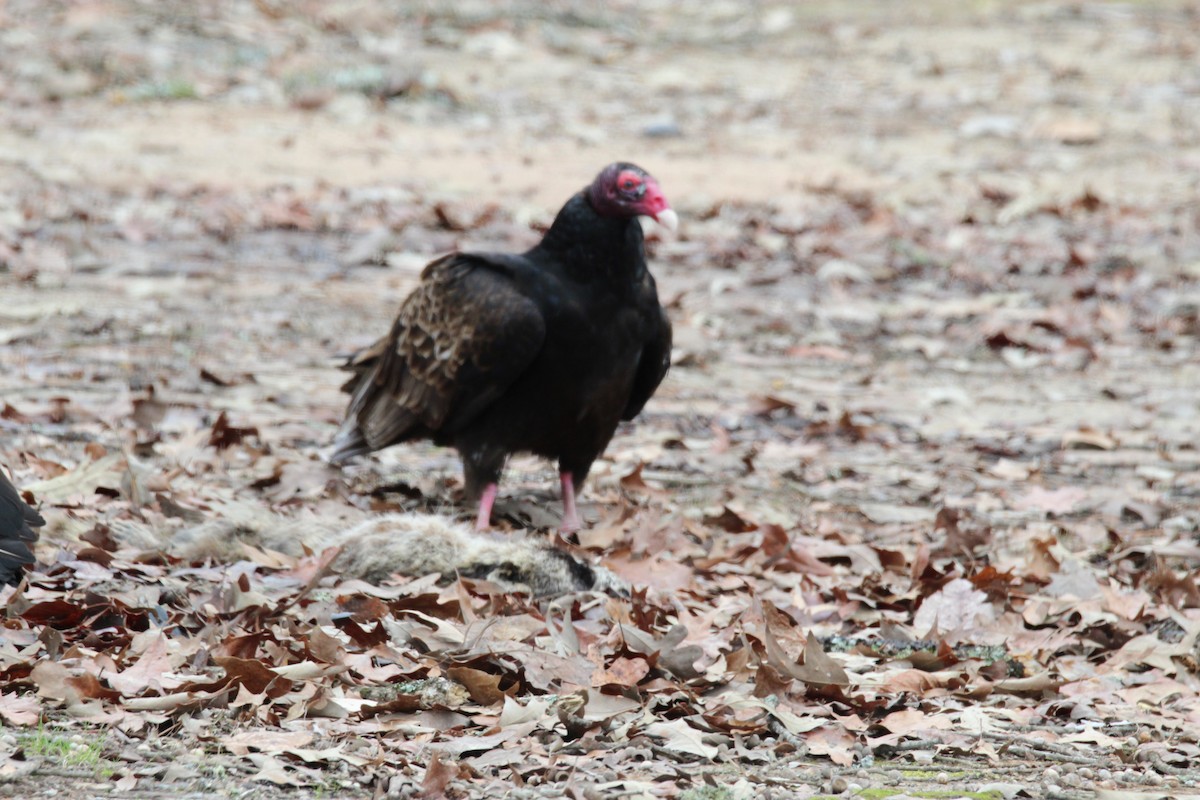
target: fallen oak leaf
484 687
21 710
170 702
273 770
915 681
11 769
958 608
155 661
294 481
271 741
224 435
815 668
623 672
437 777
664 574
1088 439
362 636
679 737
58 614
256 676
666 652
314 570
819 669
768 682
910 720
766 406
226 381
1054 502
634 483
400 704
516 714
328 755
730 521
323 647
834 742
102 473
1033 684
57 681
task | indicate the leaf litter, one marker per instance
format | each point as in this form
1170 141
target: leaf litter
919 493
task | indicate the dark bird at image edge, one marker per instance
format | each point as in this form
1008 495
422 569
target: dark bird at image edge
541 352
17 523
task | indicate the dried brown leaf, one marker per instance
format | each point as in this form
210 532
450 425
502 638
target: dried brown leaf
483 686
437 778
20 710
626 672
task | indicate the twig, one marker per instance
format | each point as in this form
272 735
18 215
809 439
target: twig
918 744
671 755
1162 766
66 772
1021 751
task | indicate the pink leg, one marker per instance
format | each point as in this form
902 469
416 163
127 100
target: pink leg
570 513
484 520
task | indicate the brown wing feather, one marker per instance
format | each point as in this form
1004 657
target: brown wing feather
461 338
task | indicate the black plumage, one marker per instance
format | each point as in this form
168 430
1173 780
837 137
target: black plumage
542 352
17 524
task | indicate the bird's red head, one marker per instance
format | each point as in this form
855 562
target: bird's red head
626 190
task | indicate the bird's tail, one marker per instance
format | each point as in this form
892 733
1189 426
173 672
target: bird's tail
375 418
349 443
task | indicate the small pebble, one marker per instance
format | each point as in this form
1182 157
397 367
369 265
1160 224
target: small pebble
665 129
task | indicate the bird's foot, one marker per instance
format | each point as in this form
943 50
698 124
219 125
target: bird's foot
483 521
570 522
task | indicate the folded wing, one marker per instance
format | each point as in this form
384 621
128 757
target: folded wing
460 340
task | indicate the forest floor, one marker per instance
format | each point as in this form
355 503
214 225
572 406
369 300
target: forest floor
936 297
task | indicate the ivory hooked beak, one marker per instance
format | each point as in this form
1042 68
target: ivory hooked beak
667 218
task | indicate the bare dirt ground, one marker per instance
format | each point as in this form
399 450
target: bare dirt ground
936 295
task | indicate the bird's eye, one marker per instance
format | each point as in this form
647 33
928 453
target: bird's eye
629 182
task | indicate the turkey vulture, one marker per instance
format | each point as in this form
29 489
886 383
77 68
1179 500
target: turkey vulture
17 523
541 352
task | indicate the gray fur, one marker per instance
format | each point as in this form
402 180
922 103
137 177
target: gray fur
408 544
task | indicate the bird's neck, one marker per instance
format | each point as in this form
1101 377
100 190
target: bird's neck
591 247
